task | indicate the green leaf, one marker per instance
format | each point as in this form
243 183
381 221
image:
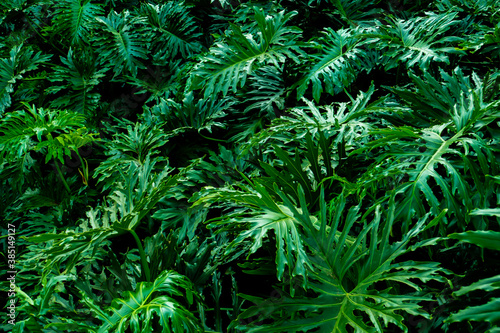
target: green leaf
12 69
416 41
488 284
175 30
21 128
139 309
336 65
74 20
229 62
268 90
489 312
123 42
345 274
79 77
346 123
486 211
487 239
455 97
197 114
433 150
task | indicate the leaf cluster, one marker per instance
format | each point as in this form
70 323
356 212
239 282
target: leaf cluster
239 166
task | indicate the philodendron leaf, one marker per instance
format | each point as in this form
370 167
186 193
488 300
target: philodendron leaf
229 62
137 309
348 276
487 284
487 239
334 68
489 312
486 211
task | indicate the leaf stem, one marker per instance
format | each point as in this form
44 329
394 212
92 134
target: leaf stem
144 261
29 20
62 177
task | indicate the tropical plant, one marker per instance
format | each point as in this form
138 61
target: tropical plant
345 271
20 61
241 166
74 21
266 40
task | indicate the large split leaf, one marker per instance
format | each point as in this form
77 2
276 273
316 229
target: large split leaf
151 302
417 41
12 69
175 30
352 276
79 76
74 19
123 42
335 66
229 62
439 159
263 214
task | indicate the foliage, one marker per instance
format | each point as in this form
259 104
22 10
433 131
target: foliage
229 62
20 61
137 310
175 31
244 166
73 19
345 274
488 312
337 64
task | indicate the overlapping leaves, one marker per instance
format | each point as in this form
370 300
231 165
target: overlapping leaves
12 69
335 66
78 78
417 41
122 42
137 311
229 62
425 147
74 19
37 128
490 311
262 215
345 273
134 197
450 147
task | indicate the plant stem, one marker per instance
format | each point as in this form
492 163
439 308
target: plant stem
29 20
85 169
62 177
144 261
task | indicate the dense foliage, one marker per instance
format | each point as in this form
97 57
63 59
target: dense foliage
285 166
